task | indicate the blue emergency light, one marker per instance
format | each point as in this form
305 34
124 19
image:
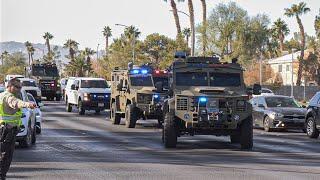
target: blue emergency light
203 99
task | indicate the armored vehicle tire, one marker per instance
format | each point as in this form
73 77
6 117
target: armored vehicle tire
68 107
115 118
27 140
246 134
312 131
266 124
81 110
234 139
169 131
131 116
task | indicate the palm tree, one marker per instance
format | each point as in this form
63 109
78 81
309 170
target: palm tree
175 15
204 26
280 30
87 52
107 33
296 11
3 56
191 15
30 50
187 33
47 36
72 45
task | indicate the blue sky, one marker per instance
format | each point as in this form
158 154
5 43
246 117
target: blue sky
83 20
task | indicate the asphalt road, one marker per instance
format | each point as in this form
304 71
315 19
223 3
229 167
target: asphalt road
90 147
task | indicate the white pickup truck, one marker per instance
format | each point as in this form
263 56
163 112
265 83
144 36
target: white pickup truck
87 94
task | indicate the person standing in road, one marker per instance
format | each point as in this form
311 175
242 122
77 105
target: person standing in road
10 122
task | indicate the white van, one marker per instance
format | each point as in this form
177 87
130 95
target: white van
11 76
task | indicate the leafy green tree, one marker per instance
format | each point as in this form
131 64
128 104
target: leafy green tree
107 33
296 11
280 30
3 56
30 50
77 67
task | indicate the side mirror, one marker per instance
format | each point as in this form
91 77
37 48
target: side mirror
256 90
73 87
159 86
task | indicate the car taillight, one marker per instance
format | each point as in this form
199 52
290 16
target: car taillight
52 85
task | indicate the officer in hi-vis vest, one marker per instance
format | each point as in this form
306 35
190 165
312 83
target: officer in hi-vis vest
10 122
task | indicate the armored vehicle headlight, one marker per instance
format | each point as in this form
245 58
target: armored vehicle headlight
156 96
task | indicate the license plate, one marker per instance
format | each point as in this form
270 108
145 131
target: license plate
100 104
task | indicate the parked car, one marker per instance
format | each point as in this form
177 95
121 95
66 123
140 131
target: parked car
30 86
11 76
67 89
277 112
264 91
27 135
313 117
38 113
88 94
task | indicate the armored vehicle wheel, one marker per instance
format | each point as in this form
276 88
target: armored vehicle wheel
246 134
131 116
266 124
312 131
115 118
169 131
68 107
34 136
234 139
81 110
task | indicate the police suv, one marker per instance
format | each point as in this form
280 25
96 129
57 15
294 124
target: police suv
87 94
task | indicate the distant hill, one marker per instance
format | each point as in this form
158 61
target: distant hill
40 49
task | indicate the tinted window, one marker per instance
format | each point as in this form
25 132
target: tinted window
94 84
191 79
281 102
29 83
266 91
225 79
141 81
164 81
45 71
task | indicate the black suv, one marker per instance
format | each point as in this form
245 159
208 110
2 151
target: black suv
313 117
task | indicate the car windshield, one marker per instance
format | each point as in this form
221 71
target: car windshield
225 79
141 81
45 71
191 79
164 81
266 91
94 84
29 83
281 102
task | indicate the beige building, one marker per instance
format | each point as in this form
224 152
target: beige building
282 66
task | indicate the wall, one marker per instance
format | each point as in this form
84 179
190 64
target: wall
298 91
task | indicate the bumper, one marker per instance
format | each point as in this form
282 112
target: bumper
46 93
288 124
96 105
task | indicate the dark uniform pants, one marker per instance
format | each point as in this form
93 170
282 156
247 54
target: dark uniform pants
7 144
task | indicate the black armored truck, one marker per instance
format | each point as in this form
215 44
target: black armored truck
207 97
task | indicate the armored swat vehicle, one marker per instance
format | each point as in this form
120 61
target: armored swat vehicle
134 96
47 77
207 97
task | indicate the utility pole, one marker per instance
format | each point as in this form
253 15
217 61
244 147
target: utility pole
292 51
260 68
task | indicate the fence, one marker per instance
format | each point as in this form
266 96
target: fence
299 92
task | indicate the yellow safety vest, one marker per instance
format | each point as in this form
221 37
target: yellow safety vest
12 119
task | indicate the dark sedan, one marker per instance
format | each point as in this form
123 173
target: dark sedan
277 112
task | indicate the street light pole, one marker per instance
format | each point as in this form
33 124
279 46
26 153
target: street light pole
133 41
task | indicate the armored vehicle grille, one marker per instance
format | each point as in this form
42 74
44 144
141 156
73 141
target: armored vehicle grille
182 104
